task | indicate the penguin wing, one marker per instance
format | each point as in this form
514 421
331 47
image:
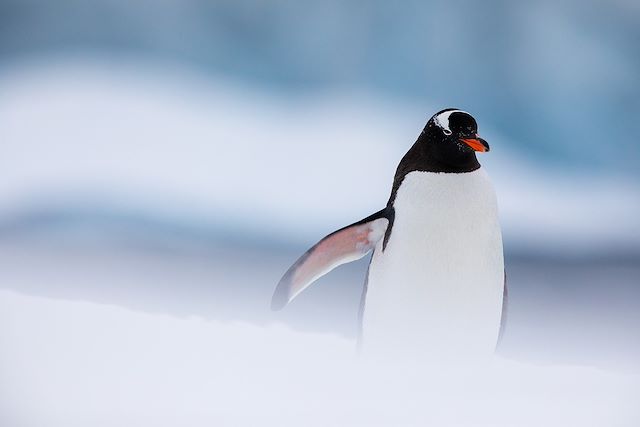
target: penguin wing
340 247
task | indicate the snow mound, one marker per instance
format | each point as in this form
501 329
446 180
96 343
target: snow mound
69 363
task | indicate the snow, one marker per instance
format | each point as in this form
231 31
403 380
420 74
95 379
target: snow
69 363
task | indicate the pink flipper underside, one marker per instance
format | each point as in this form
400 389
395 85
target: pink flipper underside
336 249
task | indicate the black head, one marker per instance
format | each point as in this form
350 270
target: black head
451 137
448 144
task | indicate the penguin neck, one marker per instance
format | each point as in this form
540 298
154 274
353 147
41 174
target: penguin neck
438 156
432 156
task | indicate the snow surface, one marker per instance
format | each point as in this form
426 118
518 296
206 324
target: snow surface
168 143
82 364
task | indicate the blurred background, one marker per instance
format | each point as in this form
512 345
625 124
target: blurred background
176 157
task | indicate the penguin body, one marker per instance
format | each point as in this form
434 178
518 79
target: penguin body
435 282
437 287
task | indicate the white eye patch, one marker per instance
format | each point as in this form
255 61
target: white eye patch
442 120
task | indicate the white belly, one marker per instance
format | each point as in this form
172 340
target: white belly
437 288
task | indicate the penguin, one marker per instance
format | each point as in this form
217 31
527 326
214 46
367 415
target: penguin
436 283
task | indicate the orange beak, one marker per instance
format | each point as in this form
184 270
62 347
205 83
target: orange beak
478 144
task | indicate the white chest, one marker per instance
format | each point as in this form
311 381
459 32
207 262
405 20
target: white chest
439 282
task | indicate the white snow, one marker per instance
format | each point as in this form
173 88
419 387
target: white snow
81 364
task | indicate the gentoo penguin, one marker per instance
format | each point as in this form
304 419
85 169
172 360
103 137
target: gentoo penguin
435 284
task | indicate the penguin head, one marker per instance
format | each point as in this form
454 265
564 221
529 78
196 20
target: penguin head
452 135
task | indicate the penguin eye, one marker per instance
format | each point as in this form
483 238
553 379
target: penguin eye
447 131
